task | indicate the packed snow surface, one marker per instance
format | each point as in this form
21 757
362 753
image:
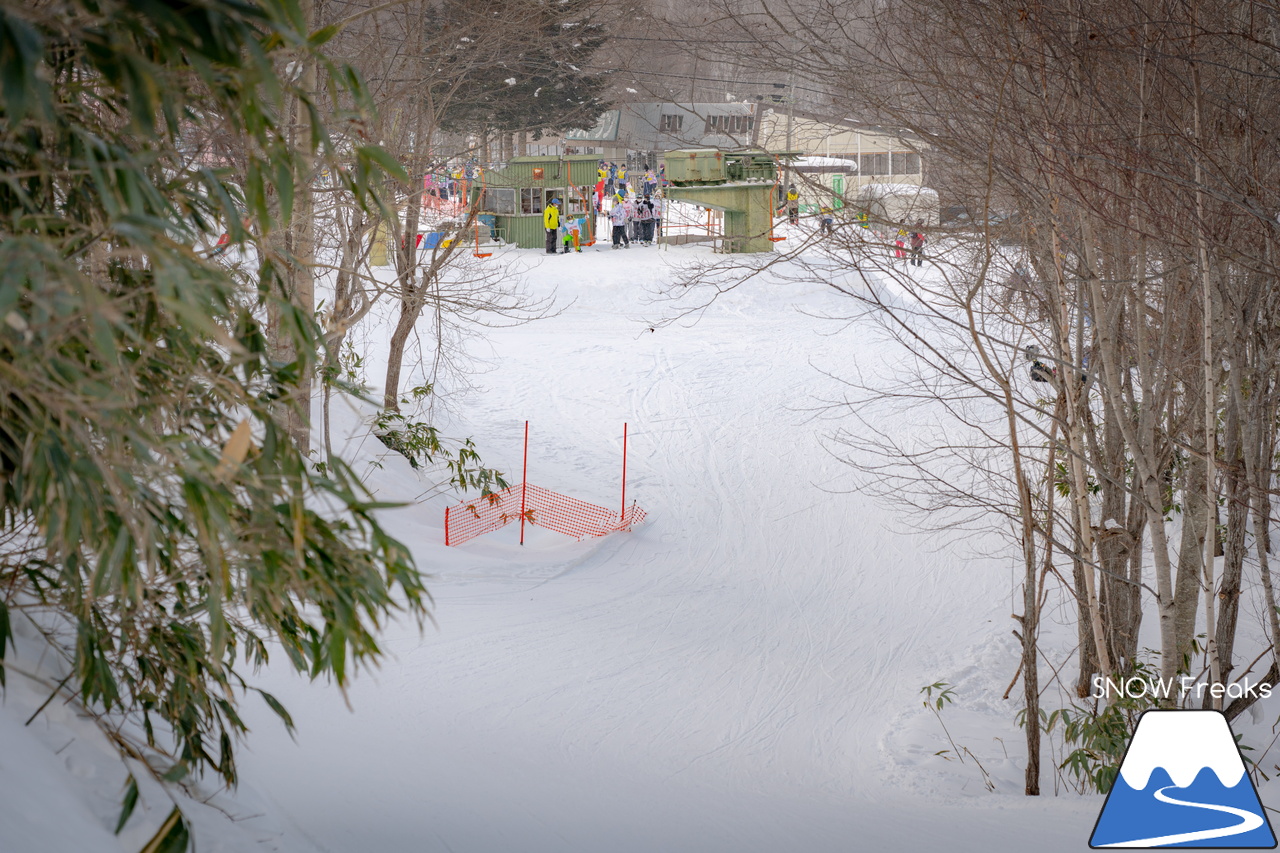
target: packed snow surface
740 673
732 675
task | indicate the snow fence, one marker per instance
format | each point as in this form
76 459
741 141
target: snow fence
543 507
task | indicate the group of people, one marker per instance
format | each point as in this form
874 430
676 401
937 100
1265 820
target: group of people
612 180
633 220
638 220
914 238
561 230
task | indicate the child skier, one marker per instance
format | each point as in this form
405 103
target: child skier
572 234
618 217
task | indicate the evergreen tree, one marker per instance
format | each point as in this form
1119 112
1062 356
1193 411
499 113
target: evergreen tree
524 68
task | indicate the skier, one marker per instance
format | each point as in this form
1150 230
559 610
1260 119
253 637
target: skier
793 205
644 220
900 241
658 205
1040 372
572 234
618 216
629 207
828 221
917 244
650 185
551 222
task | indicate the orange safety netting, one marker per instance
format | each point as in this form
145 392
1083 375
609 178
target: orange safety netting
543 507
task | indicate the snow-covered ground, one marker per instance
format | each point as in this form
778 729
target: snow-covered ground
740 673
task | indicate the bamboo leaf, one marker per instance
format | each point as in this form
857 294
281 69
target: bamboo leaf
172 837
389 164
130 802
280 710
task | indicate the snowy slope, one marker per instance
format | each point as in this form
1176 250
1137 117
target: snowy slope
729 676
741 673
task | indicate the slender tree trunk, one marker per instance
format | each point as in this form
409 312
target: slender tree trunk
1191 548
1237 495
1073 425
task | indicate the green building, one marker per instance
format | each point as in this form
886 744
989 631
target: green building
516 196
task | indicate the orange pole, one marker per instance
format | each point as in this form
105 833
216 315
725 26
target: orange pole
524 480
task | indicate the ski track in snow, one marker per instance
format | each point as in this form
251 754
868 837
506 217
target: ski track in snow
723 678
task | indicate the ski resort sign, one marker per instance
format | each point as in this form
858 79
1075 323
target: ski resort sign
1183 784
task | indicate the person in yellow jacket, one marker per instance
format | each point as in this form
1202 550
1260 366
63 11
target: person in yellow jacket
551 222
793 205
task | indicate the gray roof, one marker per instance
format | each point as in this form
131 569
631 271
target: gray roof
641 126
605 130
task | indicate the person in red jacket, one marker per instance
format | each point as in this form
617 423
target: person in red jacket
917 244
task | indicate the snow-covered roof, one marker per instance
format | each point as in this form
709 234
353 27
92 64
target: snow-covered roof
605 130
818 162
888 189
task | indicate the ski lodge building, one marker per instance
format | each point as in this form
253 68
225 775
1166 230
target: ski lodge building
840 157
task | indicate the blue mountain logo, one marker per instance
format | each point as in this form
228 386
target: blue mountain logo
1183 784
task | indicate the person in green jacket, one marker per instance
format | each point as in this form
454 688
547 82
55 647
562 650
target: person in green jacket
551 222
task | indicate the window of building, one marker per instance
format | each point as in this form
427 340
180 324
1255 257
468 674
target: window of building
672 123
874 163
906 163
730 124
532 200
578 200
499 200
